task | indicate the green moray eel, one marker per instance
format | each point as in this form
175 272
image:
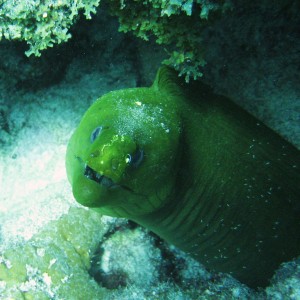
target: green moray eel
195 169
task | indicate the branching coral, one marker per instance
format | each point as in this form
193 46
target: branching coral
41 23
175 24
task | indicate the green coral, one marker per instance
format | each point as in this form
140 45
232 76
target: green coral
173 23
41 23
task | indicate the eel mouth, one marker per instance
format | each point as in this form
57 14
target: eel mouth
100 179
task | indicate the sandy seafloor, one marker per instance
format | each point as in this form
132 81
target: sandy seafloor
53 248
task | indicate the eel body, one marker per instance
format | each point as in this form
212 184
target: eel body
195 169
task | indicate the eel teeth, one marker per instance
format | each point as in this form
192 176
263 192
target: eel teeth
95 176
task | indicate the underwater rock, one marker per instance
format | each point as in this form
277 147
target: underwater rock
54 262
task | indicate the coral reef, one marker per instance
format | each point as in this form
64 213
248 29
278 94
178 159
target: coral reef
41 23
176 25
173 23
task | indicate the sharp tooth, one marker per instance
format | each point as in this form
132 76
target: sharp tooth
93 175
107 182
99 177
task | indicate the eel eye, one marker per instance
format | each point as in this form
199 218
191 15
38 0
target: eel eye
95 133
135 159
128 159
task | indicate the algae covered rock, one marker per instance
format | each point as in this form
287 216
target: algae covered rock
55 261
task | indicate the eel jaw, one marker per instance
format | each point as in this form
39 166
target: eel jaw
100 179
